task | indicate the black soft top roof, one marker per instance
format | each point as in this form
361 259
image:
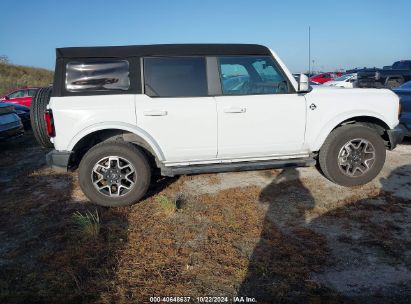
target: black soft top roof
162 50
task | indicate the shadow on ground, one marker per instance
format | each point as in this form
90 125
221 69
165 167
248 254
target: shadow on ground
357 253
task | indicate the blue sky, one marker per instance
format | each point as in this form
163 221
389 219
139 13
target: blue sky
344 34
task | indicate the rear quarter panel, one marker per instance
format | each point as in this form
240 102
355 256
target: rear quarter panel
74 115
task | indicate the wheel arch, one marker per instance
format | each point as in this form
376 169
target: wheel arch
372 121
93 135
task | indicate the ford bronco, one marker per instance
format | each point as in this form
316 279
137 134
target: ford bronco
122 114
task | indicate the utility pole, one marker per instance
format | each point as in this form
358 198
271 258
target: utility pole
309 51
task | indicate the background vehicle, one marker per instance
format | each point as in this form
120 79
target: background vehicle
344 81
24 113
297 78
10 123
20 96
325 77
197 108
399 73
404 92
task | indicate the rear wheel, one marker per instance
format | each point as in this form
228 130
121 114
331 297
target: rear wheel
352 155
38 124
114 174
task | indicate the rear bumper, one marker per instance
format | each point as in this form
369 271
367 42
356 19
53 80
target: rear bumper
396 135
58 160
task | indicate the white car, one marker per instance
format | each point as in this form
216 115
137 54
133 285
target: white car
121 114
344 81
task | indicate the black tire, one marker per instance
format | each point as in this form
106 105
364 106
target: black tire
125 151
329 153
38 106
393 83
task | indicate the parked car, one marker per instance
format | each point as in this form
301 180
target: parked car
404 92
24 113
356 70
399 73
344 81
297 78
325 77
169 111
10 123
20 96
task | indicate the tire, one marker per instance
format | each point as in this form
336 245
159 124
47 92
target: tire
38 124
393 83
125 153
334 160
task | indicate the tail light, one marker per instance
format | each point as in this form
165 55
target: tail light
48 118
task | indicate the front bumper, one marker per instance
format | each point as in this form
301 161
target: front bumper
396 135
59 160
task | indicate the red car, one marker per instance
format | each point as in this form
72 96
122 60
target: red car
20 96
324 77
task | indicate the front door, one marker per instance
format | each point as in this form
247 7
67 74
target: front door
259 114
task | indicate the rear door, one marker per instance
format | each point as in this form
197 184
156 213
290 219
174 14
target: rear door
259 114
175 109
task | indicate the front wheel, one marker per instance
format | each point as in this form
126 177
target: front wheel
114 174
352 155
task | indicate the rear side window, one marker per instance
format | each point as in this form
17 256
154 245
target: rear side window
175 76
97 75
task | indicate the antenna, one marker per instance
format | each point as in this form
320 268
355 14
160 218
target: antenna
309 51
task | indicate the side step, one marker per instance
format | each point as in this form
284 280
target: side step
238 166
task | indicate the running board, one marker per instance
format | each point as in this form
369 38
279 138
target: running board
238 166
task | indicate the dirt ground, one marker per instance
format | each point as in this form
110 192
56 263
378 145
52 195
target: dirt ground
275 235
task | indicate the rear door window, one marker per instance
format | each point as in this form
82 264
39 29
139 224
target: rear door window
97 75
175 76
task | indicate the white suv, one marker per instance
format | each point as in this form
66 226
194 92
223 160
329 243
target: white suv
121 113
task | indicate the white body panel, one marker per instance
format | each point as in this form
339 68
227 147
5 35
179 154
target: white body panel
260 125
185 128
334 106
74 115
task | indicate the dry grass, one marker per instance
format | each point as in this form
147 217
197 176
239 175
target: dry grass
175 243
16 76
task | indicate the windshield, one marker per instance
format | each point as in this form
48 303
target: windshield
406 85
343 77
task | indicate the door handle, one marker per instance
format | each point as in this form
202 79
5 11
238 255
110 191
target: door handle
155 113
235 110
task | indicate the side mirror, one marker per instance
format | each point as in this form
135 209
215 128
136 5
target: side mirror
6 97
303 83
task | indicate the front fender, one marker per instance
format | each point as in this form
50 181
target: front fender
318 140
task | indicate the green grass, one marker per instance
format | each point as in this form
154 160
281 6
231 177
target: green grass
167 204
16 76
88 224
